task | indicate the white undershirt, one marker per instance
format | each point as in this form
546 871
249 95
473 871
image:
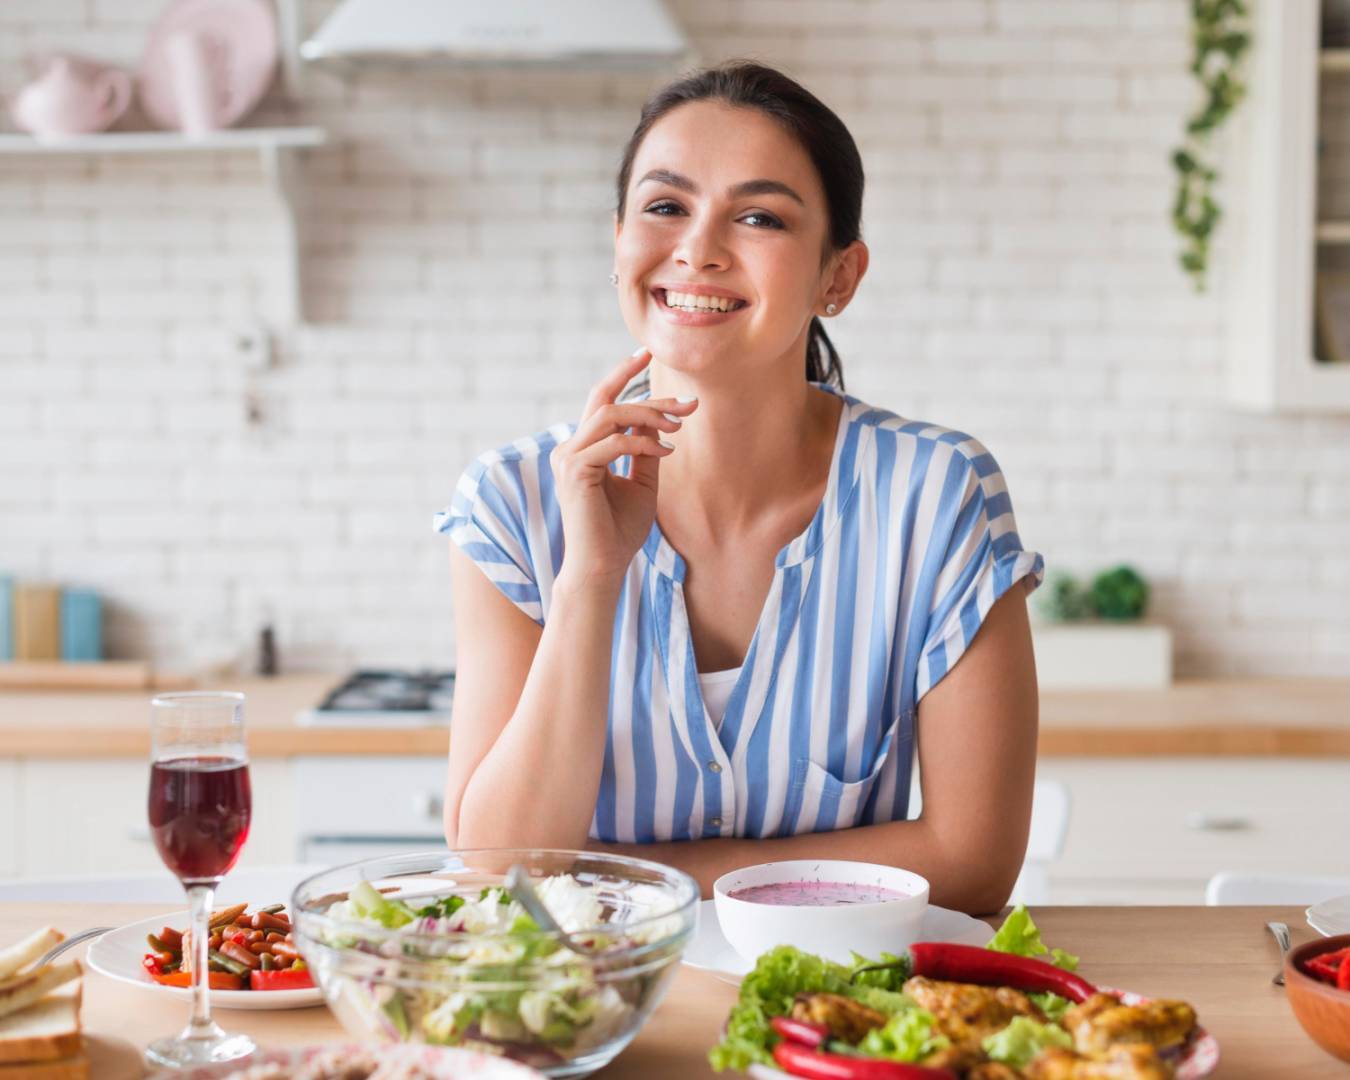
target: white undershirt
717 687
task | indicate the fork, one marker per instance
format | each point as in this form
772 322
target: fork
70 942
1281 932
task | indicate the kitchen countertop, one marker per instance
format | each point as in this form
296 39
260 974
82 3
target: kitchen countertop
1218 959
1201 717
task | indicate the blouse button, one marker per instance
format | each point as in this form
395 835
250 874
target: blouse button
713 767
716 822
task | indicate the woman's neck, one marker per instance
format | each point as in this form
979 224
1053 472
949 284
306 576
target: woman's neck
746 452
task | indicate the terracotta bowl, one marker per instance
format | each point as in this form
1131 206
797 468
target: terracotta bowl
1323 1010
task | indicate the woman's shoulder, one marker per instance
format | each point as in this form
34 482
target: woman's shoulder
520 461
883 434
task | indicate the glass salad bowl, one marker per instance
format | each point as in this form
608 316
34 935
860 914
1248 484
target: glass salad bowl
428 947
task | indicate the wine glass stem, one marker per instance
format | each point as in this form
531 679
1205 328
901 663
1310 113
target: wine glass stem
200 898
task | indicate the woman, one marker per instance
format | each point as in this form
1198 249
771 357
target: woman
706 624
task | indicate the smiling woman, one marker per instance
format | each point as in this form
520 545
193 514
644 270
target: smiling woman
713 621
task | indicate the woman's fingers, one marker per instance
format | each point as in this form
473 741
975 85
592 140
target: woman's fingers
613 447
663 415
611 386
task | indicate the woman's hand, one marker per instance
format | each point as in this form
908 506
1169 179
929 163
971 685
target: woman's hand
606 517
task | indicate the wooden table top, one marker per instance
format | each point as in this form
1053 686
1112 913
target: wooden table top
1194 717
1219 959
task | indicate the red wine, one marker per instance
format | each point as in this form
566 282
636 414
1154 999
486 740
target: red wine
199 814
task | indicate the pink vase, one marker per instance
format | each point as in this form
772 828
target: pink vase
71 96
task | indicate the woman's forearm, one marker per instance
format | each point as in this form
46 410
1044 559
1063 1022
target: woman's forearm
537 786
958 880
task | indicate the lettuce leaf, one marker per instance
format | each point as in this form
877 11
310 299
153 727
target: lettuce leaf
1022 1040
907 1036
1018 935
779 976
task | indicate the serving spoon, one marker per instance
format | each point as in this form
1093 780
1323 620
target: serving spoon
1281 932
518 887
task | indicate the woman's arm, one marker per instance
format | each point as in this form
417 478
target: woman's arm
977 758
528 736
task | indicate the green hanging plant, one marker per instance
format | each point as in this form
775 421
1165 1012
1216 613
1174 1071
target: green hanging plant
1221 35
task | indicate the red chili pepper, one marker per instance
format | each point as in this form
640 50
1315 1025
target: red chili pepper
803 1061
987 967
1319 967
289 979
800 1031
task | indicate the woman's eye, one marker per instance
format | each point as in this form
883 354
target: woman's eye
767 221
665 209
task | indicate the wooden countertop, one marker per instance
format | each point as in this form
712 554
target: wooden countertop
1219 959
1203 717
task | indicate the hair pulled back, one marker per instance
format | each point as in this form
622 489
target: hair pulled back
745 84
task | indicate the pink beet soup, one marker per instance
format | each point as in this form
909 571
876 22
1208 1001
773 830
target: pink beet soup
816 893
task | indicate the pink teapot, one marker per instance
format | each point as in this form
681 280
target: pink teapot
72 96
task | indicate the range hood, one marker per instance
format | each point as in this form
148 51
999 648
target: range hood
614 34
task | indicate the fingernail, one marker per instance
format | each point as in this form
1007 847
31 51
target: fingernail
668 446
673 419
640 350
686 400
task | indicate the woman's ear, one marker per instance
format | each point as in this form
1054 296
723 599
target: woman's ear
842 279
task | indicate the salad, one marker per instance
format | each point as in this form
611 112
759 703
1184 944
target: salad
477 971
1014 1009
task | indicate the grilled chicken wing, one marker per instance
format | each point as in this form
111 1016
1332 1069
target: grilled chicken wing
847 1019
1102 1022
1128 1061
992 1070
961 1059
967 1013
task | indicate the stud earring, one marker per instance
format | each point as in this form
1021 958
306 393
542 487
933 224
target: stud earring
614 279
830 309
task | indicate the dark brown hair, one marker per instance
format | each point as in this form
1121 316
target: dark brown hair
745 84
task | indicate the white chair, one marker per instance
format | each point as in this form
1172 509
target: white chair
256 885
1049 826
1234 888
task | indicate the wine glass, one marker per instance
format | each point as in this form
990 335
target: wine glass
199 809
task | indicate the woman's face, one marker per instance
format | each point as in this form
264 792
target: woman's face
721 203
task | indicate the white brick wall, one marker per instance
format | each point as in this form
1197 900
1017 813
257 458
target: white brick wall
1023 287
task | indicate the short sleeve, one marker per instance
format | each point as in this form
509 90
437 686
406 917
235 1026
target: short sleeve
487 519
983 558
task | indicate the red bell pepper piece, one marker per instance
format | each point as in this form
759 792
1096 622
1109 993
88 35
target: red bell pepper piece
287 979
986 967
816 1065
173 939
1343 976
151 963
219 980
800 1031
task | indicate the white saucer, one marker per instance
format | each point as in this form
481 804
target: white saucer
1330 917
710 951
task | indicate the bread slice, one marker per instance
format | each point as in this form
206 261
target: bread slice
48 1030
23 991
75 1067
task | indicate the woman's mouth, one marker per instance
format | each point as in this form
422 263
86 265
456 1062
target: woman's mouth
696 309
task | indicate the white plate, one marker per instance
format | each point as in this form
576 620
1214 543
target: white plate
710 951
438 1062
1330 917
118 954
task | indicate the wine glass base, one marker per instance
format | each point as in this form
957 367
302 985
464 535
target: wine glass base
181 1053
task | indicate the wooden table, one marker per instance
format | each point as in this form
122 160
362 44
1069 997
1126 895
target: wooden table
1219 959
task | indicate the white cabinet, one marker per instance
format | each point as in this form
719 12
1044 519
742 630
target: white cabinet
1154 830
88 816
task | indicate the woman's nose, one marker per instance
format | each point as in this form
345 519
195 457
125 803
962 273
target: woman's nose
701 247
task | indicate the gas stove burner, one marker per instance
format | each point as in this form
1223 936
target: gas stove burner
387 698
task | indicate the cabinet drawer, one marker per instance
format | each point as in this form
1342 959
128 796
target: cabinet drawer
89 817
1182 820
364 797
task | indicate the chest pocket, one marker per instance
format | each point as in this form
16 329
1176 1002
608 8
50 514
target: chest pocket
819 801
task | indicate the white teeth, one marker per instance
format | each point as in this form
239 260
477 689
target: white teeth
695 302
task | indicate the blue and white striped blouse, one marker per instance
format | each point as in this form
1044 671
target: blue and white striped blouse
868 609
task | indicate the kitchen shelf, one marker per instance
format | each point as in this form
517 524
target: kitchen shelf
1334 61
276 147
1333 232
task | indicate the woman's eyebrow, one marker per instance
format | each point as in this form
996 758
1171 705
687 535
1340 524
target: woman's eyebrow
736 191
